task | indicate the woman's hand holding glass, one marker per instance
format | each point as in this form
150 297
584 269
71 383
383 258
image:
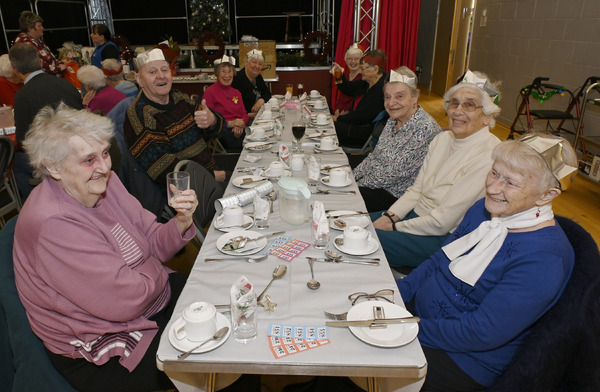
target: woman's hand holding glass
181 198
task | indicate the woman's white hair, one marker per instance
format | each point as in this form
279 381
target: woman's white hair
253 55
488 105
352 50
113 65
523 159
6 70
92 77
47 141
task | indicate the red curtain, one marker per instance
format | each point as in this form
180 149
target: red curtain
344 39
398 30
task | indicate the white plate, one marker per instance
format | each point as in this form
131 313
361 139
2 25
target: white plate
238 181
318 135
259 245
286 173
319 124
325 181
278 96
372 246
359 220
317 148
254 139
186 345
259 146
394 335
247 219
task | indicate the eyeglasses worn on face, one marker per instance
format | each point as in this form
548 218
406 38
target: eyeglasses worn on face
468 106
364 67
385 294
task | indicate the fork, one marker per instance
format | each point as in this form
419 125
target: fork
336 316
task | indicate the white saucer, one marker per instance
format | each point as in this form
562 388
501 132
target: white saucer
286 173
238 181
317 148
247 219
372 246
325 181
254 139
319 124
393 336
278 96
318 135
326 172
359 220
259 146
185 344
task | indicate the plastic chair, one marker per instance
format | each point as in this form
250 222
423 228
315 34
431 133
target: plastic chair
562 350
207 190
9 195
24 364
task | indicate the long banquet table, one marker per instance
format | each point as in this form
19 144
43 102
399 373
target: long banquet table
345 355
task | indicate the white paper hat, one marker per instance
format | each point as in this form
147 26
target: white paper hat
225 59
398 77
483 84
148 56
255 53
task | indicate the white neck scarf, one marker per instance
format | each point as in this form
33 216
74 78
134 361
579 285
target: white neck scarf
486 241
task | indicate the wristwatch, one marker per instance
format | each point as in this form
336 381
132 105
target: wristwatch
389 215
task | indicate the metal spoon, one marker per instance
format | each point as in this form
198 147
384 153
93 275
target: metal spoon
339 241
325 190
249 259
272 198
336 257
278 272
312 284
217 336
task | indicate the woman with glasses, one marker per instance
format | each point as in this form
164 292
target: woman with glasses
225 99
354 127
505 265
450 179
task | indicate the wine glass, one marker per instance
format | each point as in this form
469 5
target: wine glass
298 129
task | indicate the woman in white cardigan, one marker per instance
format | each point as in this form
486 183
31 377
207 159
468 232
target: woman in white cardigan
450 180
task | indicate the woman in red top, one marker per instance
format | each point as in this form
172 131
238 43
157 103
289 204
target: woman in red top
9 82
343 103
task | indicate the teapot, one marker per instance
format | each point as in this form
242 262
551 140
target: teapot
294 200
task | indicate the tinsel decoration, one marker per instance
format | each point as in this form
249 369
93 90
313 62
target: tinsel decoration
541 95
209 15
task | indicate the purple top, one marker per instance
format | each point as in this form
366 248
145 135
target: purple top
90 278
105 99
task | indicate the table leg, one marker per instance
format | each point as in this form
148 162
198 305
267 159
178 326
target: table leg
372 384
211 379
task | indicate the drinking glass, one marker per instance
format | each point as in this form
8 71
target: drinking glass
298 129
244 319
261 212
289 88
177 182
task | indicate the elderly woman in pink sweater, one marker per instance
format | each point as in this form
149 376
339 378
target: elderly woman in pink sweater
227 100
88 258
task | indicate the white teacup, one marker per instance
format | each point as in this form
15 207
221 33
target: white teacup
297 162
314 94
267 114
322 119
319 105
356 238
327 143
338 177
276 169
198 322
258 133
232 216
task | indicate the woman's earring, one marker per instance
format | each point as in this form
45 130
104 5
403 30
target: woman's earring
537 214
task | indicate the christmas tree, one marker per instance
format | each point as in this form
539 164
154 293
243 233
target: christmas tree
209 15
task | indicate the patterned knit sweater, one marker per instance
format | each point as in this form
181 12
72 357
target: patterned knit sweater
159 136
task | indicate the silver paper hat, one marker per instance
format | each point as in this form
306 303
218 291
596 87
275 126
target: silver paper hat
483 84
398 77
552 152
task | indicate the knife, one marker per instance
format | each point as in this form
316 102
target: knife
368 323
248 180
348 215
374 262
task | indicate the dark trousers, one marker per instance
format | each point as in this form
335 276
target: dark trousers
377 199
444 375
351 135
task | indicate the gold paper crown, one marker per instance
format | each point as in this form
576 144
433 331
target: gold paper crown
552 152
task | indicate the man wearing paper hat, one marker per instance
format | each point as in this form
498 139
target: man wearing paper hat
251 84
164 126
